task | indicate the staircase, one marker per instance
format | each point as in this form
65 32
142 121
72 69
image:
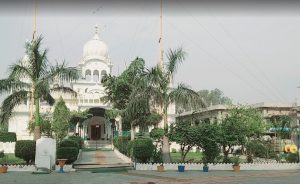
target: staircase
99 144
102 159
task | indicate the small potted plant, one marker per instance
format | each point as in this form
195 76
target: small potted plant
205 166
3 164
161 168
236 164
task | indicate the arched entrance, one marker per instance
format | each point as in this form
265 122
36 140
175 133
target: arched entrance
97 127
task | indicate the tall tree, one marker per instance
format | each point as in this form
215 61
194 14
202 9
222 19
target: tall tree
119 91
240 124
60 120
210 97
154 85
31 79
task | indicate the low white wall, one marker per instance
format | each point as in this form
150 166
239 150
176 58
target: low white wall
8 147
122 156
31 168
244 166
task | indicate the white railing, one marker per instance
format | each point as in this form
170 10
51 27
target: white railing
228 166
7 147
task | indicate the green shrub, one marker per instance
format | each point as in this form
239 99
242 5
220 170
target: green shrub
1 154
69 153
121 143
77 139
292 157
130 148
8 137
157 133
157 156
69 143
143 149
174 150
25 149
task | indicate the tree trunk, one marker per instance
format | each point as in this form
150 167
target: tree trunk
37 130
166 143
131 132
166 150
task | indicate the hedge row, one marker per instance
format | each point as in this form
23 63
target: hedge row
69 149
25 149
8 137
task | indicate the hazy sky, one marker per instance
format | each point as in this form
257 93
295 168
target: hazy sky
251 51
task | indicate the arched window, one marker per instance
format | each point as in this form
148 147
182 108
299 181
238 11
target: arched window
96 76
88 75
86 90
103 73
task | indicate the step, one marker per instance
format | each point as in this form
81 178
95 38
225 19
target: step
103 167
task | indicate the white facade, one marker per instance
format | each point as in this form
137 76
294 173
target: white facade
94 64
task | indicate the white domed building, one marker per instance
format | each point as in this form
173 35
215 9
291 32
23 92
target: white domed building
95 63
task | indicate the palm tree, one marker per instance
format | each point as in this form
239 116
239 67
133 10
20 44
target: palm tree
156 85
31 79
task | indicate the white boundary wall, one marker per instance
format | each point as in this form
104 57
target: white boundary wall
8 147
31 168
122 156
244 166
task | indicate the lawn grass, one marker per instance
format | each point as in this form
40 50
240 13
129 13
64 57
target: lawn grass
11 159
193 156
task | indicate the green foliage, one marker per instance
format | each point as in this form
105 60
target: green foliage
143 149
157 133
208 136
185 135
8 137
235 160
121 143
257 148
45 125
292 157
77 139
118 89
240 124
1 154
174 150
210 97
69 143
25 149
69 153
130 148
10 159
190 157
39 73
61 116
4 127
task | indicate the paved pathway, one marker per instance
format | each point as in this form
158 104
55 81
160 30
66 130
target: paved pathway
99 157
153 177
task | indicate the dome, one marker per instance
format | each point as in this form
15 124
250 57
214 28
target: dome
95 49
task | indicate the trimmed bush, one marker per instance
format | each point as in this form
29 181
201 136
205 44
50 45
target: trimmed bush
1 154
143 149
77 139
157 133
69 153
25 149
69 143
121 143
8 137
130 148
292 157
